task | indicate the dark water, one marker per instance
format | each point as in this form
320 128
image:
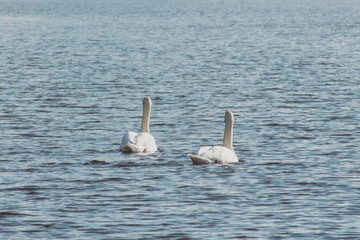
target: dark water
72 78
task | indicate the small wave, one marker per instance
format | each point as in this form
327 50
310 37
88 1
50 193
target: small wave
5 214
96 162
307 183
33 135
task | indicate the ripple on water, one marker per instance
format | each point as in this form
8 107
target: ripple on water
73 88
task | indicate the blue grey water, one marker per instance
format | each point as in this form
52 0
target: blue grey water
72 78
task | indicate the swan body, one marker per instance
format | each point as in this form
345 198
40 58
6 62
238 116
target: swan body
138 143
218 154
142 142
212 155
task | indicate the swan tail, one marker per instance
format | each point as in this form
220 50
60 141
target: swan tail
130 148
197 160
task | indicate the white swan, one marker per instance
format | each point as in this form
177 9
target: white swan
218 154
142 142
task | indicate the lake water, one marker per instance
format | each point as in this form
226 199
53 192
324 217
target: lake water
72 78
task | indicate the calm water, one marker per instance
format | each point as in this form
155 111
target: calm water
72 78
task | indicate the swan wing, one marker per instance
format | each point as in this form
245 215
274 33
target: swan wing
203 150
128 138
146 142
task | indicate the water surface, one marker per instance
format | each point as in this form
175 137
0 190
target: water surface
72 78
